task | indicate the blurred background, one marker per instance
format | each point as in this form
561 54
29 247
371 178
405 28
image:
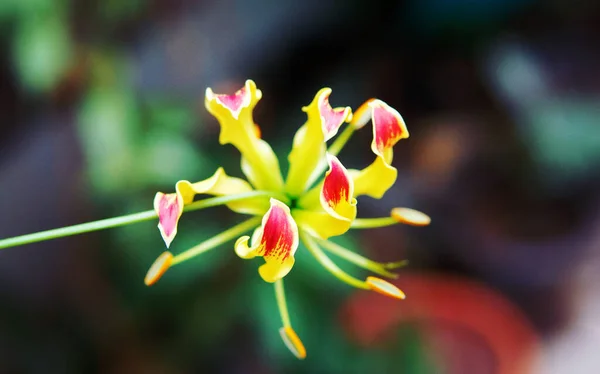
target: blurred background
101 105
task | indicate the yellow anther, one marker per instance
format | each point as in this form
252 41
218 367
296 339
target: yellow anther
385 288
410 217
158 268
293 342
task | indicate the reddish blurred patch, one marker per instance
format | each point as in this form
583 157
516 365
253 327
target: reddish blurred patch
466 326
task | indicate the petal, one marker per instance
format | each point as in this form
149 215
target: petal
236 108
276 242
309 146
323 224
257 175
332 212
239 100
331 119
337 191
169 207
234 113
375 179
388 127
275 269
242 249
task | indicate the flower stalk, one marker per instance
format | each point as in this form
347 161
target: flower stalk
124 220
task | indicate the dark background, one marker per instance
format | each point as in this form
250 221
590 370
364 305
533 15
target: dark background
101 105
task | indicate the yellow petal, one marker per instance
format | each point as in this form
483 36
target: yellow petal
324 225
309 147
375 179
234 113
275 269
276 241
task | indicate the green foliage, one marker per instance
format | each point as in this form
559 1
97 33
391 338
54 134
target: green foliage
129 144
564 138
42 51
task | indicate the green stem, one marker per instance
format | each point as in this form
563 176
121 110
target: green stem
217 240
122 220
329 265
356 259
341 140
370 223
281 303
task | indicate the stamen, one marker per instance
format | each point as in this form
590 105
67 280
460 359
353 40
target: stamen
281 303
370 223
288 335
324 260
397 215
340 141
410 217
293 342
395 265
385 288
158 268
356 259
217 240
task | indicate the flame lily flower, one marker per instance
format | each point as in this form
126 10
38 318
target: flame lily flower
316 201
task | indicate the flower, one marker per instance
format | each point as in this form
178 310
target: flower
316 201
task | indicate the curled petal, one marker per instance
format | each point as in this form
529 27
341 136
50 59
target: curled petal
331 119
243 98
388 127
293 342
309 147
276 242
240 103
337 192
375 179
234 113
169 207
